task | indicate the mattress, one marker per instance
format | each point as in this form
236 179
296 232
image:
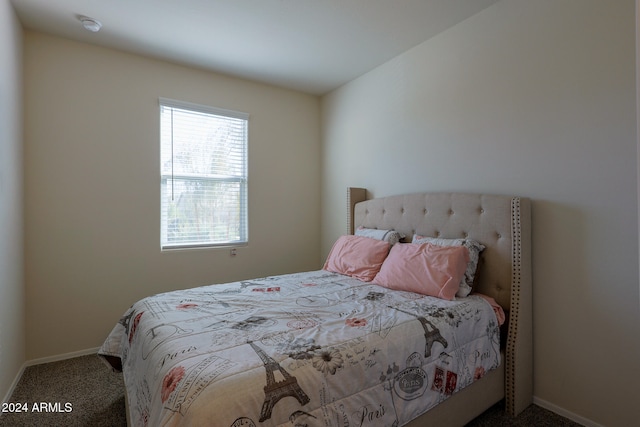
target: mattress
313 348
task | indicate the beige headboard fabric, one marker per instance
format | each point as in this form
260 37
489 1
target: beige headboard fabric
503 225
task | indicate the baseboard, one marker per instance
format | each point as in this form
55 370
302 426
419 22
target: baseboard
563 412
7 397
42 360
60 357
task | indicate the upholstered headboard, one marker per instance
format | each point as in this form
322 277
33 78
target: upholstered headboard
503 225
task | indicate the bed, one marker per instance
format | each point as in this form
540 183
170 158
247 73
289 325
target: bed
335 348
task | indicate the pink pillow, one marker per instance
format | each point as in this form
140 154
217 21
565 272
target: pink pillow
425 269
359 257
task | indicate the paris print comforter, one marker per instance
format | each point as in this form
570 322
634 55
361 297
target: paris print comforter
308 349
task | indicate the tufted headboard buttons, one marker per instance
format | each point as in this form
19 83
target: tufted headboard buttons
485 218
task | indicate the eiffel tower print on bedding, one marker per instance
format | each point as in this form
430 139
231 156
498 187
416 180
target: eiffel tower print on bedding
309 349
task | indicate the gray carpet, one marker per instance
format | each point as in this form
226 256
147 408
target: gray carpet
93 396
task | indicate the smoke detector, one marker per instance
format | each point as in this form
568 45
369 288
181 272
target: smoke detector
90 24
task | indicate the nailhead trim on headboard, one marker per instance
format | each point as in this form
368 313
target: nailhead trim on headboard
516 282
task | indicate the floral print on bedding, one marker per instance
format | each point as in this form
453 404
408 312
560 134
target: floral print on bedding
314 349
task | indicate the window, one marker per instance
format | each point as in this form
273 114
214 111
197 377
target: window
203 152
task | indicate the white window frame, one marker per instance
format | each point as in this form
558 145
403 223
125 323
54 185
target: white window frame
165 178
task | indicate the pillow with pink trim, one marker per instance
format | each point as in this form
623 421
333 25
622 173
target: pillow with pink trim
356 256
425 269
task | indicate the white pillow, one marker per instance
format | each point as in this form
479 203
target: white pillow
466 284
390 236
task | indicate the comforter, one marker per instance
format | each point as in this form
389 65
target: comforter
305 349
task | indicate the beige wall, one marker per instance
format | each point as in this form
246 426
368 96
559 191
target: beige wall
12 327
93 189
534 98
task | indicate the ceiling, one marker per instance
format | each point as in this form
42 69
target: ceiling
312 46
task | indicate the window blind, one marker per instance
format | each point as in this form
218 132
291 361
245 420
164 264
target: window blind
203 175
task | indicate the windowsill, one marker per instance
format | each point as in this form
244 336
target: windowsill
203 246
